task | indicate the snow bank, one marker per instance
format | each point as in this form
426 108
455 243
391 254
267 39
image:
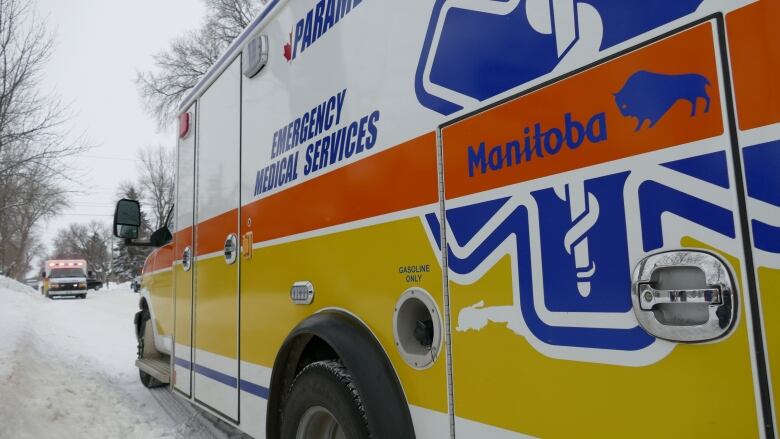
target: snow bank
14 321
122 286
67 371
10 284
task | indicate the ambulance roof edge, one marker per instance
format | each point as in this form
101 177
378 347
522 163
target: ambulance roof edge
231 51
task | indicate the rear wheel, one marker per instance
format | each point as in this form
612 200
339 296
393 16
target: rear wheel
324 403
148 381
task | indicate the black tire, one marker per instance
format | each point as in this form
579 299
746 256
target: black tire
325 385
83 296
147 380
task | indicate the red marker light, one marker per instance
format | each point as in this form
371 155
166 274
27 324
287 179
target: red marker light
184 125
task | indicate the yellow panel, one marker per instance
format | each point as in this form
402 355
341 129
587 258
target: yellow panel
356 270
216 307
769 285
183 305
703 390
161 293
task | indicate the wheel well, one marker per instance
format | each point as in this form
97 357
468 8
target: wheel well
338 336
143 306
298 352
315 350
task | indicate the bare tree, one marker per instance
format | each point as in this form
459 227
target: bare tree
230 17
157 178
34 200
179 67
33 146
31 120
84 241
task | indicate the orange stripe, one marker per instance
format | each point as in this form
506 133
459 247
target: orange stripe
399 178
754 42
210 235
163 257
182 239
585 96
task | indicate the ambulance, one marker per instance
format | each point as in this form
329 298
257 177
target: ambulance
477 219
64 277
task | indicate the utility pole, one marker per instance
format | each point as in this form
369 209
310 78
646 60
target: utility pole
111 261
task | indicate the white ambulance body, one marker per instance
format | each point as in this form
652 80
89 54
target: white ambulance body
479 219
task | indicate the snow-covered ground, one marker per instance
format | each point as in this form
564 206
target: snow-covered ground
67 371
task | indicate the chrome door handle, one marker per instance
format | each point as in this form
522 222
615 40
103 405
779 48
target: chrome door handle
231 249
186 258
684 296
651 297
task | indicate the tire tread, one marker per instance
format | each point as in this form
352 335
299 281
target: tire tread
344 377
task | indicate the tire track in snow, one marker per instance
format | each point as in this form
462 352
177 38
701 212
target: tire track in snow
60 376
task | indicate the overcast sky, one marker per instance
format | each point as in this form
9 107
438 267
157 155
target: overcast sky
100 45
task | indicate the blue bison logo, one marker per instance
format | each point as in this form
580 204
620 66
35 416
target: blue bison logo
649 96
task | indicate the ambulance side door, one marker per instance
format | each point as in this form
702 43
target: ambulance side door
598 274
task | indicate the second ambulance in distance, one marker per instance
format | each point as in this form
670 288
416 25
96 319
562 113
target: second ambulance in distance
66 277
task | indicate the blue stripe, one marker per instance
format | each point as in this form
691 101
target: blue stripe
246 386
254 389
228 53
183 363
216 376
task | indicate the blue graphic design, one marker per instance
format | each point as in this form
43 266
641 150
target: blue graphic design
655 199
649 96
435 227
533 54
517 224
597 284
763 183
584 249
625 19
481 54
711 168
766 237
466 221
761 172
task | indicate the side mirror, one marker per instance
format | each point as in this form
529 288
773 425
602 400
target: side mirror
43 275
127 219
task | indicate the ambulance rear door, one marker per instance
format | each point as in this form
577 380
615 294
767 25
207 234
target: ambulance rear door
183 254
597 270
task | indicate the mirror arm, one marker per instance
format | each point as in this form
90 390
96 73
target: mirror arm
131 243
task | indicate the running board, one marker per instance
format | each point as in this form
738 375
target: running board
158 367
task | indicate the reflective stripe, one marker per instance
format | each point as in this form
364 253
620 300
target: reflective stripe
246 386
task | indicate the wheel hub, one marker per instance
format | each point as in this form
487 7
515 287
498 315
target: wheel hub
319 423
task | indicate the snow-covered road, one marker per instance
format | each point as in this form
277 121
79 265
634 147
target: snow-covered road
67 371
